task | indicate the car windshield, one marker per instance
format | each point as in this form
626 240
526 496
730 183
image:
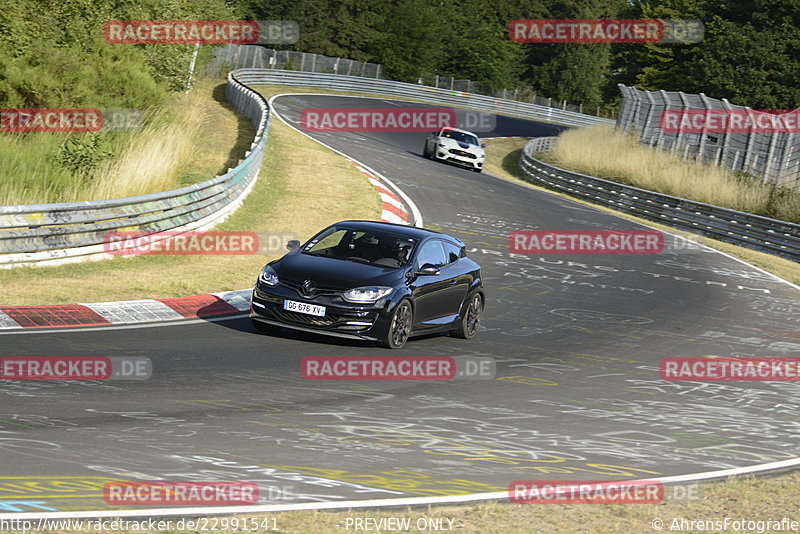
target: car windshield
460 136
378 248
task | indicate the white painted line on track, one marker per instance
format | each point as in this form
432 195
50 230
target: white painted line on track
378 503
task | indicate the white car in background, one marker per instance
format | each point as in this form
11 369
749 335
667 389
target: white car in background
457 146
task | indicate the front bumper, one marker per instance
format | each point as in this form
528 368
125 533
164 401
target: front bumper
342 319
459 157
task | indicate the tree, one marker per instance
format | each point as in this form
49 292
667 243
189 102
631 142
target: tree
576 72
412 41
476 46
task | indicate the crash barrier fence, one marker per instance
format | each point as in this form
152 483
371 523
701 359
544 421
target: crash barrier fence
776 237
75 231
432 95
235 57
773 156
258 57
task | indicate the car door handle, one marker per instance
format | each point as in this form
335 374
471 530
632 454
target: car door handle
453 282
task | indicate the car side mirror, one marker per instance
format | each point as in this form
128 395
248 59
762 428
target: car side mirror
293 245
483 145
428 269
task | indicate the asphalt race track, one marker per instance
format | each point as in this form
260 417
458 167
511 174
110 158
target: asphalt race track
577 396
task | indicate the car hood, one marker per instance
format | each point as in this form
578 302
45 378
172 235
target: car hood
452 143
333 273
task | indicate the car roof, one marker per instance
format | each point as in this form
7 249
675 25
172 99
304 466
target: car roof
401 229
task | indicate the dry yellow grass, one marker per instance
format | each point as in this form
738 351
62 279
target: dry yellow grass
607 153
155 158
747 498
149 161
302 188
750 499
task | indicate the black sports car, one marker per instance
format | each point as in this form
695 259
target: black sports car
371 280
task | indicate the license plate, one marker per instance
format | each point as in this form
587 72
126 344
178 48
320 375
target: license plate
302 307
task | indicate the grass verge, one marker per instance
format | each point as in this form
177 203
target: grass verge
764 499
502 160
747 498
586 150
302 188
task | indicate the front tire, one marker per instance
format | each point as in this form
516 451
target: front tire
468 325
400 326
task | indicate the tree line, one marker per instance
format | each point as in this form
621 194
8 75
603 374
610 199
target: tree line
750 53
52 52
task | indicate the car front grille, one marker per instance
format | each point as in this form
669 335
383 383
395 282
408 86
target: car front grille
304 319
321 290
462 153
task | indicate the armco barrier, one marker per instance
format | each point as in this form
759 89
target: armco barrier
752 231
420 93
61 233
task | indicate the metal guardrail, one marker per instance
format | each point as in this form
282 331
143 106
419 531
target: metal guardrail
773 155
422 93
233 56
776 237
61 233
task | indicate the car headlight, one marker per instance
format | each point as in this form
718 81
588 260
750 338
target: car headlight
268 276
366 294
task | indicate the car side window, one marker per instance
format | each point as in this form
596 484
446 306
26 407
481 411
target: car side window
433 253
453 252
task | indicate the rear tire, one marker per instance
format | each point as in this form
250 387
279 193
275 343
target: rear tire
468 325
400 326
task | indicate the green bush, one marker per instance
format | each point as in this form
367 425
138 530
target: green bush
83 153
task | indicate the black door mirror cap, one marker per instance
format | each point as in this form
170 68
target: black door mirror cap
428 269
